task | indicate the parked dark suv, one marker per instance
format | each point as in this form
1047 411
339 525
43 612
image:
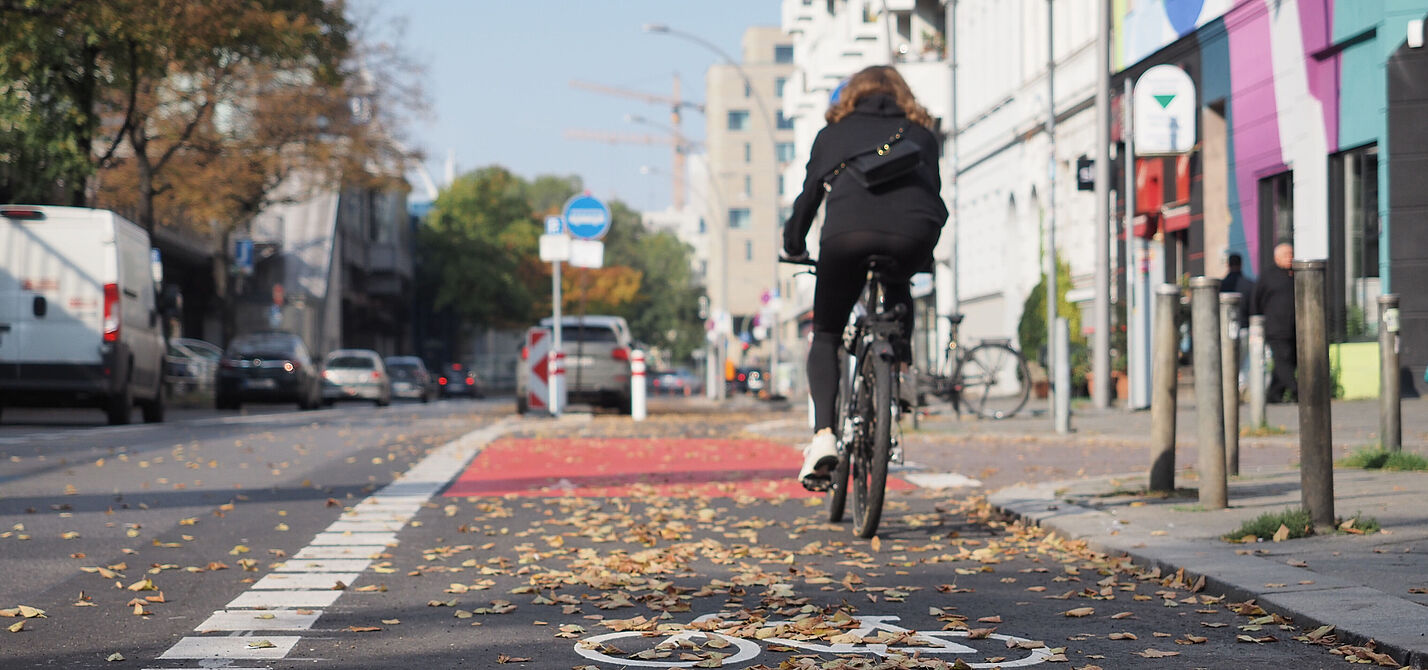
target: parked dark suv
267 367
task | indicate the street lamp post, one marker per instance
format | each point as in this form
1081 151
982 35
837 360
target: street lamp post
663 29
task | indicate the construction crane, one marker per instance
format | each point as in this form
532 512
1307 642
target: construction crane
676 104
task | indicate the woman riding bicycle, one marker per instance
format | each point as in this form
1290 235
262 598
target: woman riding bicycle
901 218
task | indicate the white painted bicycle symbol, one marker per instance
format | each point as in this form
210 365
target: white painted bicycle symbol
665 650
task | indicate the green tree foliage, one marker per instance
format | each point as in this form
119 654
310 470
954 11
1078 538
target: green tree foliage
1031 330
480 255
158 72
479 249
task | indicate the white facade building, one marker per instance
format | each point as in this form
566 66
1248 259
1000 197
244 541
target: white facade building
996 163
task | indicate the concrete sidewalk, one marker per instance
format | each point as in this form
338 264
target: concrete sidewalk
1369 587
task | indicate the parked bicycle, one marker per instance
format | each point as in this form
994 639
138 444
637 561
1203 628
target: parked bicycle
663 649
868 410
990 380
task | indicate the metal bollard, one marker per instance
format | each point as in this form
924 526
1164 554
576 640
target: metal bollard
1209 407
1165 350
637 385
1062 395
1316 456
1390 417
1230 378
1256 372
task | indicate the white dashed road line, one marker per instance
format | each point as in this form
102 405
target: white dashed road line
293 596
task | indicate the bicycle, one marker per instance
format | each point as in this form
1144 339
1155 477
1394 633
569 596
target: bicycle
868 410
672 640
991 379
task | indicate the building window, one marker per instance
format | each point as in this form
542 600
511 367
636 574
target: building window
748 250
738 119
782 122
748 89
748 186
780 184
785 152
1276 215
778 86
748 153
703 227
783 53
1354 245
740 218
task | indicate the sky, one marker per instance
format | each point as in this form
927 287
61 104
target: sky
497 78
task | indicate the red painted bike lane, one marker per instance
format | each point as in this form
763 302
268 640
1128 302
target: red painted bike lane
619 467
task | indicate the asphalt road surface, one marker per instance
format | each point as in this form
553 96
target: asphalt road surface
456 535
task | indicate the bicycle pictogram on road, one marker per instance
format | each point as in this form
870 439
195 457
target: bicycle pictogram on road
674 649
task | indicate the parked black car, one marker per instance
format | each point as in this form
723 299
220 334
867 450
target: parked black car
458 380
267 367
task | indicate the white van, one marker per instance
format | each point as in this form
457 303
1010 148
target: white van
79 319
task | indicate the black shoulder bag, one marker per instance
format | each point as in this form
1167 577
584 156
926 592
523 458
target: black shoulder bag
880 165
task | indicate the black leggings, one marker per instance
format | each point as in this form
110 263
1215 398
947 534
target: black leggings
840 282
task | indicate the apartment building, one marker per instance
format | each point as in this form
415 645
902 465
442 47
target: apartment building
748 142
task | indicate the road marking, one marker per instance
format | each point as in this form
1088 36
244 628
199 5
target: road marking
240 620
941 480
283 599
303 581
339 553
323 565
367 526
367 551
277 647
325 538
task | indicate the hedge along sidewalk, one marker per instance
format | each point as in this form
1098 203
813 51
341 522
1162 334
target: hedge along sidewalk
1366 586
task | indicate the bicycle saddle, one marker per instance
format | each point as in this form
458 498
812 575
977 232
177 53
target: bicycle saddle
955 319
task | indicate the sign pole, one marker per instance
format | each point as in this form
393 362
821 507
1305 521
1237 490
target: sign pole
557 380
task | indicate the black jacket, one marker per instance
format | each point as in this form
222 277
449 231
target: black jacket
1236 282
911 207
1274 298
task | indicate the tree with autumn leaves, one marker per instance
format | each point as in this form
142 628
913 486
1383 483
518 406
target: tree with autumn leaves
480 258
186 112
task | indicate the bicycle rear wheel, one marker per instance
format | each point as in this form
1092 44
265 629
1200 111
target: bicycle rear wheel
995 382
870 460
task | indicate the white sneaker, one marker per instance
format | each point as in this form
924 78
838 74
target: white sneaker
820 458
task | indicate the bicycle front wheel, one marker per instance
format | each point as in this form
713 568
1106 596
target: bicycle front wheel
995 382
870 460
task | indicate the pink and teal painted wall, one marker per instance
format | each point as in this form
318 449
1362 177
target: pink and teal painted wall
1299 82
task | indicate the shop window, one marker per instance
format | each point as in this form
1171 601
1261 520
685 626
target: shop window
1354 245
1276 215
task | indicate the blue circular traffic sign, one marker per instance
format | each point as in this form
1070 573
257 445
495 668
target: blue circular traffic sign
587 218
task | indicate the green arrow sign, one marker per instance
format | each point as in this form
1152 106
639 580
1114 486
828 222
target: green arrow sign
1164 100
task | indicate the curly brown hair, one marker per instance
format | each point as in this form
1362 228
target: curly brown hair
874 80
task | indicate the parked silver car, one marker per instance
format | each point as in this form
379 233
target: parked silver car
355 374
190 365
597 362
410 378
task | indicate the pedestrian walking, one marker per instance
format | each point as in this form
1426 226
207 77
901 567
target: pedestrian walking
1235 281
901 218
1274 298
